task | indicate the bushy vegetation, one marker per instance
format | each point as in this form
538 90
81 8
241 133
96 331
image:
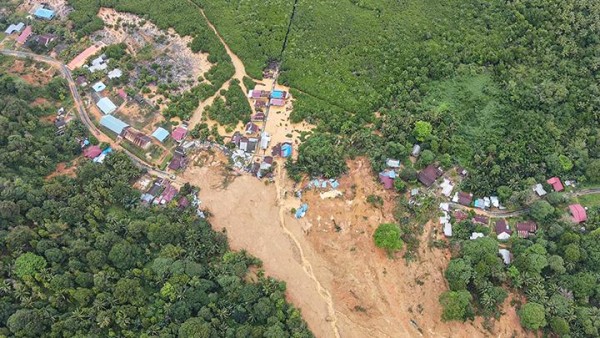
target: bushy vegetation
81 256
233 108
387 237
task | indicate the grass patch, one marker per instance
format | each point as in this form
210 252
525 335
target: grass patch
589 201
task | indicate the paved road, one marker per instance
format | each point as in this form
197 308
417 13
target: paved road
79 104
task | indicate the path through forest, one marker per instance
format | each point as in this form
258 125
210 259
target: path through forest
240 73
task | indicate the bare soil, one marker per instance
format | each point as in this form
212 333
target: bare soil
35 74
168 48
343 284
62 170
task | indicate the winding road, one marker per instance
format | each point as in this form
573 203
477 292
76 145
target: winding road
80 106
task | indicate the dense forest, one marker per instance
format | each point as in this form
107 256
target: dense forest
82 257
510 88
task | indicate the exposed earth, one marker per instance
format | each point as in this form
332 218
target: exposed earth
343 284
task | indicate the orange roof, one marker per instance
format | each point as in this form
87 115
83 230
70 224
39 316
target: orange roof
556 184
80 59
578 212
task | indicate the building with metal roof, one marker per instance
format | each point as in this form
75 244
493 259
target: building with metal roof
15 28
44 13
113 124
160 134
99 86
106 105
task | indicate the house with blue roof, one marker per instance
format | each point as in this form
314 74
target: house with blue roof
160 134
106 105
113 124
99 86
44 13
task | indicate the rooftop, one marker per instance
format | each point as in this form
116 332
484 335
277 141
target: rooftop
106 105
99 86
24 35
113 124
92 152
160 134
179 133
578 212
428 175
44 13
556 184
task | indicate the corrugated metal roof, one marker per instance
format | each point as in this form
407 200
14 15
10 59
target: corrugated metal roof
99 86
113 123
106 105
44 13
160 134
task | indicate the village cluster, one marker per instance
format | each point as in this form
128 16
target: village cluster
25 32
462 206
251 146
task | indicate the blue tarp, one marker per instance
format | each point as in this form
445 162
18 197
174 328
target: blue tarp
302 210
334 183
286 150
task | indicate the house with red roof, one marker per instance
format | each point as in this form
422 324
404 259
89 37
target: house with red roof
480 219
428 175
463 198
525 229
556 184
460 216
251 128
179 133
503 230
24 36
578 212
388 182
92 152
259 117
122 94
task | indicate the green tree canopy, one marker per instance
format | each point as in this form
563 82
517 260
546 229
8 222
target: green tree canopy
422 130
457 305
387 236
533 316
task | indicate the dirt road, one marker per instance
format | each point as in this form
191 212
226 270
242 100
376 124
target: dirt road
240 73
